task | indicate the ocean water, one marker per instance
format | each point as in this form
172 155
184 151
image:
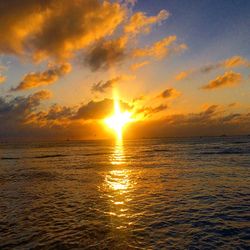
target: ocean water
185 193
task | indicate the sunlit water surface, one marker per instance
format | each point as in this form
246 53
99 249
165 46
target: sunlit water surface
190 193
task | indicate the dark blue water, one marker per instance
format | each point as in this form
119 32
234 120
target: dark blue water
186 193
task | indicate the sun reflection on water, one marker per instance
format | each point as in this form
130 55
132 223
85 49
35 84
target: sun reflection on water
119 185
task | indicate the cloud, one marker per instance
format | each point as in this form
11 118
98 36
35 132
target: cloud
182 75
105 54
41 95
131 2
139 65
2 79
139 22
58 29
236 61
16 111
228 79
203 116
169 93
102 87
24 117
232 62
139 98
59 112
95 110
148 111
37 79
211 121
160 49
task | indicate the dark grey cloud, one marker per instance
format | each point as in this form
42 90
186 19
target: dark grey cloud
103 86
98 109
16 111
169 93
148 111
105 54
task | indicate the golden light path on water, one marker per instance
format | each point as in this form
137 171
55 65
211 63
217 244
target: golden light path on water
119 185
118 182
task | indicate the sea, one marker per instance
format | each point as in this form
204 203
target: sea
163 193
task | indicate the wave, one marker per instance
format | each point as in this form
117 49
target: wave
49 156
240 142
34 157
227 151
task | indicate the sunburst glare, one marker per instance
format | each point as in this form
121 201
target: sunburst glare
118 120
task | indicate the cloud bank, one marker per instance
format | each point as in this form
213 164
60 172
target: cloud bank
37 79
229 79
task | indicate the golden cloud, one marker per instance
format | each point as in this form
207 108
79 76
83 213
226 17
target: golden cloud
41 95
235 61
139 65
58 27
169 93
228 79
232 62
160 49
2 79
104 86
37 79
148 111
182 75
139 22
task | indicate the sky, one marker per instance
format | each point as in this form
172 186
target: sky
181 68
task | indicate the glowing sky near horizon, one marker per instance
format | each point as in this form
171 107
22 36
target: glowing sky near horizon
178 66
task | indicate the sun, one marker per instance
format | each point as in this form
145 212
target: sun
118 120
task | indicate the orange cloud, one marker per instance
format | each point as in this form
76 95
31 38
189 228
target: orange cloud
235 61
2 79
182 75
37 79
41 95
149 111
169 93
136 66
103 86
58 28
228 79
232 62
160 49
139 22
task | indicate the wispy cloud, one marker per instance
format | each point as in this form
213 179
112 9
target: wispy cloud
227 80
160 49
169 93
2 79
232 62
139 22
102 87
139 65
37 79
